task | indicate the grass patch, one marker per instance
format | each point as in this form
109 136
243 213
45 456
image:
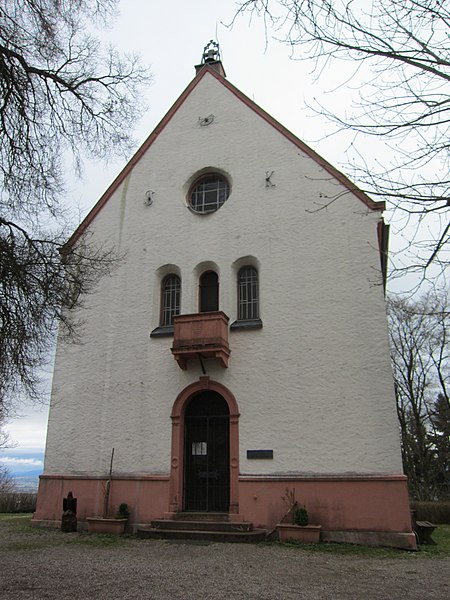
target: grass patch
441 536
14 516
350 550
16 521
36 538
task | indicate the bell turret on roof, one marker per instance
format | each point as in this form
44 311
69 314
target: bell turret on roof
211 57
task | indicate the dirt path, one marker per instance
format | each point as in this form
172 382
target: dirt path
50 565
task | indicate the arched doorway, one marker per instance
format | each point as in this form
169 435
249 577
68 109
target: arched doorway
207 453
177 470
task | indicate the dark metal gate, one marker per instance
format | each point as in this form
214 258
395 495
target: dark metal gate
207 454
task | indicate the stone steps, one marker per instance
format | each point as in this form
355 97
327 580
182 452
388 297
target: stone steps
177 524
202 516
213 527
257 535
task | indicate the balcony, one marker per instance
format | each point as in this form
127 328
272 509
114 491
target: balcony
202 335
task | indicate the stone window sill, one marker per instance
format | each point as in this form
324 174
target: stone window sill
162 331
246 324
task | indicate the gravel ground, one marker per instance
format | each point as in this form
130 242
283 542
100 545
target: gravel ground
43 564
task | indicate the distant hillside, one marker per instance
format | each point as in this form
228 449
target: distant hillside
33 473
28 481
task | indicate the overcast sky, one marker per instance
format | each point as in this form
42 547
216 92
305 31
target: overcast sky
170 37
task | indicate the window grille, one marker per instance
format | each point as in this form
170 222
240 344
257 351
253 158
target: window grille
209 193
170 299
248 294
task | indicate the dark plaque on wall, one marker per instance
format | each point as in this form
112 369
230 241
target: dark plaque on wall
259 453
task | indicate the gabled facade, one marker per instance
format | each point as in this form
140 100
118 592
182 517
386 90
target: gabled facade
240 349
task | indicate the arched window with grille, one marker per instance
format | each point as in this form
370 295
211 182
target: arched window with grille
248 294
170 299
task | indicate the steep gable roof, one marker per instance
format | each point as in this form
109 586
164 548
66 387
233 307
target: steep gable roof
377 206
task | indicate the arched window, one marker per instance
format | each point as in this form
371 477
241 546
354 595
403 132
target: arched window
209 292
248 294
170 299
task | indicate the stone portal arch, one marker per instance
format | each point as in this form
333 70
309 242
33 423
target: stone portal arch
177 453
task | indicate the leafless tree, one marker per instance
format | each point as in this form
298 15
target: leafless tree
400 56
6 481
440 437
61 94
420 352
4 437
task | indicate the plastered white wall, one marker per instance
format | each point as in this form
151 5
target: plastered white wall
314 384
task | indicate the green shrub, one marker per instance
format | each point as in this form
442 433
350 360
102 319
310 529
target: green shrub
123 512
301 516
435 512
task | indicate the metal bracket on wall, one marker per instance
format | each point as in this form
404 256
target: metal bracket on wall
205 121
149 197
269 174
201 363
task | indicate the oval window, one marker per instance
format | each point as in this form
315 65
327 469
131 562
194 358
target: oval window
209 193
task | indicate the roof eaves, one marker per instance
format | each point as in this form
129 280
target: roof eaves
353 188
377 206
136 157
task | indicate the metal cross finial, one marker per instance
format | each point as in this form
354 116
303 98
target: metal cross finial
211 52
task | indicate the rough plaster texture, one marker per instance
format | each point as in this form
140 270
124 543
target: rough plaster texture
314 384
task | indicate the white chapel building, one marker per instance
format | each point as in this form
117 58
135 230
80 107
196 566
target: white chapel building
240 348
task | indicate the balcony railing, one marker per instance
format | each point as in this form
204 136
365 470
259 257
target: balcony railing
202 335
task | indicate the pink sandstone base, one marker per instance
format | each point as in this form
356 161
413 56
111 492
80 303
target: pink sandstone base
308 534
100 525
370 509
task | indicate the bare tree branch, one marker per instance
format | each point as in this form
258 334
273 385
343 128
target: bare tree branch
61 93
401 95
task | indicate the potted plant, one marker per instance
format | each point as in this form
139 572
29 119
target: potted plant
298 529
106 524
123 512
301 516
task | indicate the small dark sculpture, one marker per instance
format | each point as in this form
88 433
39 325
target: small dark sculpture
69 517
